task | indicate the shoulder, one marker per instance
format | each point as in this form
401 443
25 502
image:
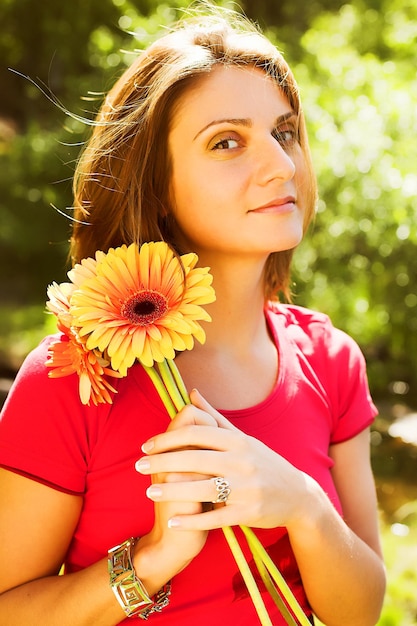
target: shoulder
331 352
33 378
311 330
33 373
35 360
45 430
292 316
337 362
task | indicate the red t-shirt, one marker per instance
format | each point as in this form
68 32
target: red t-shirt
321 397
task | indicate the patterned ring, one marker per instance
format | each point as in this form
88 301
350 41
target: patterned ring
222 488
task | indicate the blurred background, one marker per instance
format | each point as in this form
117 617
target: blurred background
356 65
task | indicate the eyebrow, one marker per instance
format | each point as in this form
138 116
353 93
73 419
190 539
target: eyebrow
244 121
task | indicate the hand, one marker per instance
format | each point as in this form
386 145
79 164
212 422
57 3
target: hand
266 490
171 548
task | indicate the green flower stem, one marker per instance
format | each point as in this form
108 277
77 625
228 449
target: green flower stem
269 584
170 385
179 381
286 592
247 576
161 389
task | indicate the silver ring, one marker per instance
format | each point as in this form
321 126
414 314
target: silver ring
223 489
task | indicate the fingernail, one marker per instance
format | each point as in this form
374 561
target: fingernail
174 522
154 492
142 465
148 446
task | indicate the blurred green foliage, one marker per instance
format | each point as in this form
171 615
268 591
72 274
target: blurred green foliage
360 264
356 66
400 551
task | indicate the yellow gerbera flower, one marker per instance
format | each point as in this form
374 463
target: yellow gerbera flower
141 304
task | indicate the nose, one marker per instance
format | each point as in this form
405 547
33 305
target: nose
274 162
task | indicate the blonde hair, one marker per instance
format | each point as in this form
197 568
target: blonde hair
121 185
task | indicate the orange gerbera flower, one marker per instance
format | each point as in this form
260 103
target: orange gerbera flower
141 305
70 356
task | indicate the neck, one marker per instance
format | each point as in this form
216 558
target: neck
238 313
238 343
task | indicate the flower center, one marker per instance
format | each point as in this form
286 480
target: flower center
144 307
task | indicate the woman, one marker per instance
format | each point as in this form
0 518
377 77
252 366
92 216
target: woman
202 144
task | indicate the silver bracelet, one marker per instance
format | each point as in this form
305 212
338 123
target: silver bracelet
128 588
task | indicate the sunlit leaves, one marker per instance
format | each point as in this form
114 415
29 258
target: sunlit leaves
362 119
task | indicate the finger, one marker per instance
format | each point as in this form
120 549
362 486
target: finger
191 436
218 517
189 415
193 461
192 415
209 462
201 403
214 490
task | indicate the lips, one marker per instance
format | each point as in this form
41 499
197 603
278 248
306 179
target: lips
277 205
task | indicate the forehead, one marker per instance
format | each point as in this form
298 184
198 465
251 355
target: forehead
229 92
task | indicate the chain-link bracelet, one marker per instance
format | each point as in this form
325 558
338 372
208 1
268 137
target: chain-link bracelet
128 589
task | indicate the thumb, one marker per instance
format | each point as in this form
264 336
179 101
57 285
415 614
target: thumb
201 403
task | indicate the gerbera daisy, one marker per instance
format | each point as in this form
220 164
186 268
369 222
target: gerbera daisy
70 356
142 305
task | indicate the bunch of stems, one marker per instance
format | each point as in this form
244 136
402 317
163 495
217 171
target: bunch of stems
171 389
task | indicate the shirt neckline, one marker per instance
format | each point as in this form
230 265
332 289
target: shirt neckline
285 385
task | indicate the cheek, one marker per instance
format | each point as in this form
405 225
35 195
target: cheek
183 200
186 209
194 195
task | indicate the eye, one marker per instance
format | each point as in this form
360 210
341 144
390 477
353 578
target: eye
226 143
286 137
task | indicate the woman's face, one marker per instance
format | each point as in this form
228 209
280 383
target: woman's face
238 172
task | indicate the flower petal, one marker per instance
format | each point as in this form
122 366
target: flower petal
126 305
144 265
84 388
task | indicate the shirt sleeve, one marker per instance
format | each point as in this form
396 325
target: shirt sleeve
340 366
347 385
45 431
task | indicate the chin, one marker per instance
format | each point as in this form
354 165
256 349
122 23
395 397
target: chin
289 242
